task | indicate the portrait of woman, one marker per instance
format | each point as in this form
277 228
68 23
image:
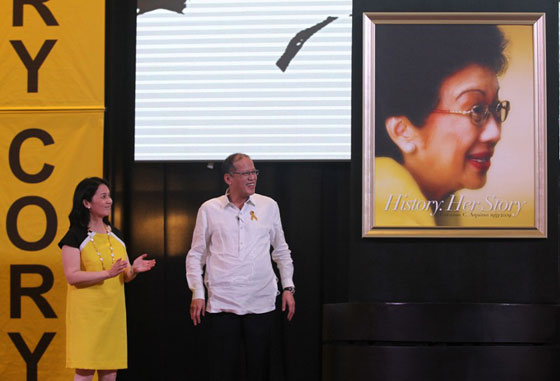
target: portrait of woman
439 115
96 266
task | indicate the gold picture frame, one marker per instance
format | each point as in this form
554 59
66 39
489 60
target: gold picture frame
512 202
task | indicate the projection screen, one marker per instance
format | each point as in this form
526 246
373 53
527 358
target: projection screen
268 78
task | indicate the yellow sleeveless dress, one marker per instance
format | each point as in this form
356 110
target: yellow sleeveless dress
96 314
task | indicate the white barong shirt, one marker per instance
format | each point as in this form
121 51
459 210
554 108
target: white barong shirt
234 245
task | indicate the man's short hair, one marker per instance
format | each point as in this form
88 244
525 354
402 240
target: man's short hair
228 164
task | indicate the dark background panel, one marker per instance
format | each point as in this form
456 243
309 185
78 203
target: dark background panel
441 362
147 313
449 323
455 270
164 199
469 271
320 204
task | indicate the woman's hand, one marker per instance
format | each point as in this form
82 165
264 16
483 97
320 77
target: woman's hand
118 267
80 278
141 265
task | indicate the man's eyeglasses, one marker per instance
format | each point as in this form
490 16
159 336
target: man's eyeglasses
479 114
254 172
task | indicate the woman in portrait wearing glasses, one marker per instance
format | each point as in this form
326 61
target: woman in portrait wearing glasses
439 117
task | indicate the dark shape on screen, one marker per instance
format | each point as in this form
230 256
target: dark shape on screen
297 42
144 6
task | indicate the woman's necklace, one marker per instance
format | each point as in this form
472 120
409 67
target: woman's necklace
90 235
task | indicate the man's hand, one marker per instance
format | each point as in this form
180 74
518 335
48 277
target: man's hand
289 301
198 307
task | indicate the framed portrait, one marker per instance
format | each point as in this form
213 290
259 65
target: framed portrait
454 125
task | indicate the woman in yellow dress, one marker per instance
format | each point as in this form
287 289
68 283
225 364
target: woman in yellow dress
96 266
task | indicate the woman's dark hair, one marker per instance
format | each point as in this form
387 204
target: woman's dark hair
79 215
229 163
412 61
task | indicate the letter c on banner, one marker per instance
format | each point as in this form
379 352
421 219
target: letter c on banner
14 156
11 223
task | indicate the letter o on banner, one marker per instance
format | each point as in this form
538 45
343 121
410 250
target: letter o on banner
50 230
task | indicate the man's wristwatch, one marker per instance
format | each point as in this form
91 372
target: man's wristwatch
291 289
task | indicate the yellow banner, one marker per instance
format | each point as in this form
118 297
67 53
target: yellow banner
44 156
52 54
51 136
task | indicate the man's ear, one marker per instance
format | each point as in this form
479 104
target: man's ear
227 178
403 133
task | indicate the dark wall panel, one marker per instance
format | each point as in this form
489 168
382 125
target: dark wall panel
164 199
455 270
440 362
320 204
147 314
426 300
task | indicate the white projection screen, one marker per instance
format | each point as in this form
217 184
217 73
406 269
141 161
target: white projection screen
267 78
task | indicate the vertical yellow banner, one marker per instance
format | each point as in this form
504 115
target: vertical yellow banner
52 54
44 156
51 136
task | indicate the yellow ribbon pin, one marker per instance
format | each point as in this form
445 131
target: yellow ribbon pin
253 217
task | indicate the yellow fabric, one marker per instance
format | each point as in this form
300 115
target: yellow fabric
96 315
72 74
77 152
398 199
66 103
